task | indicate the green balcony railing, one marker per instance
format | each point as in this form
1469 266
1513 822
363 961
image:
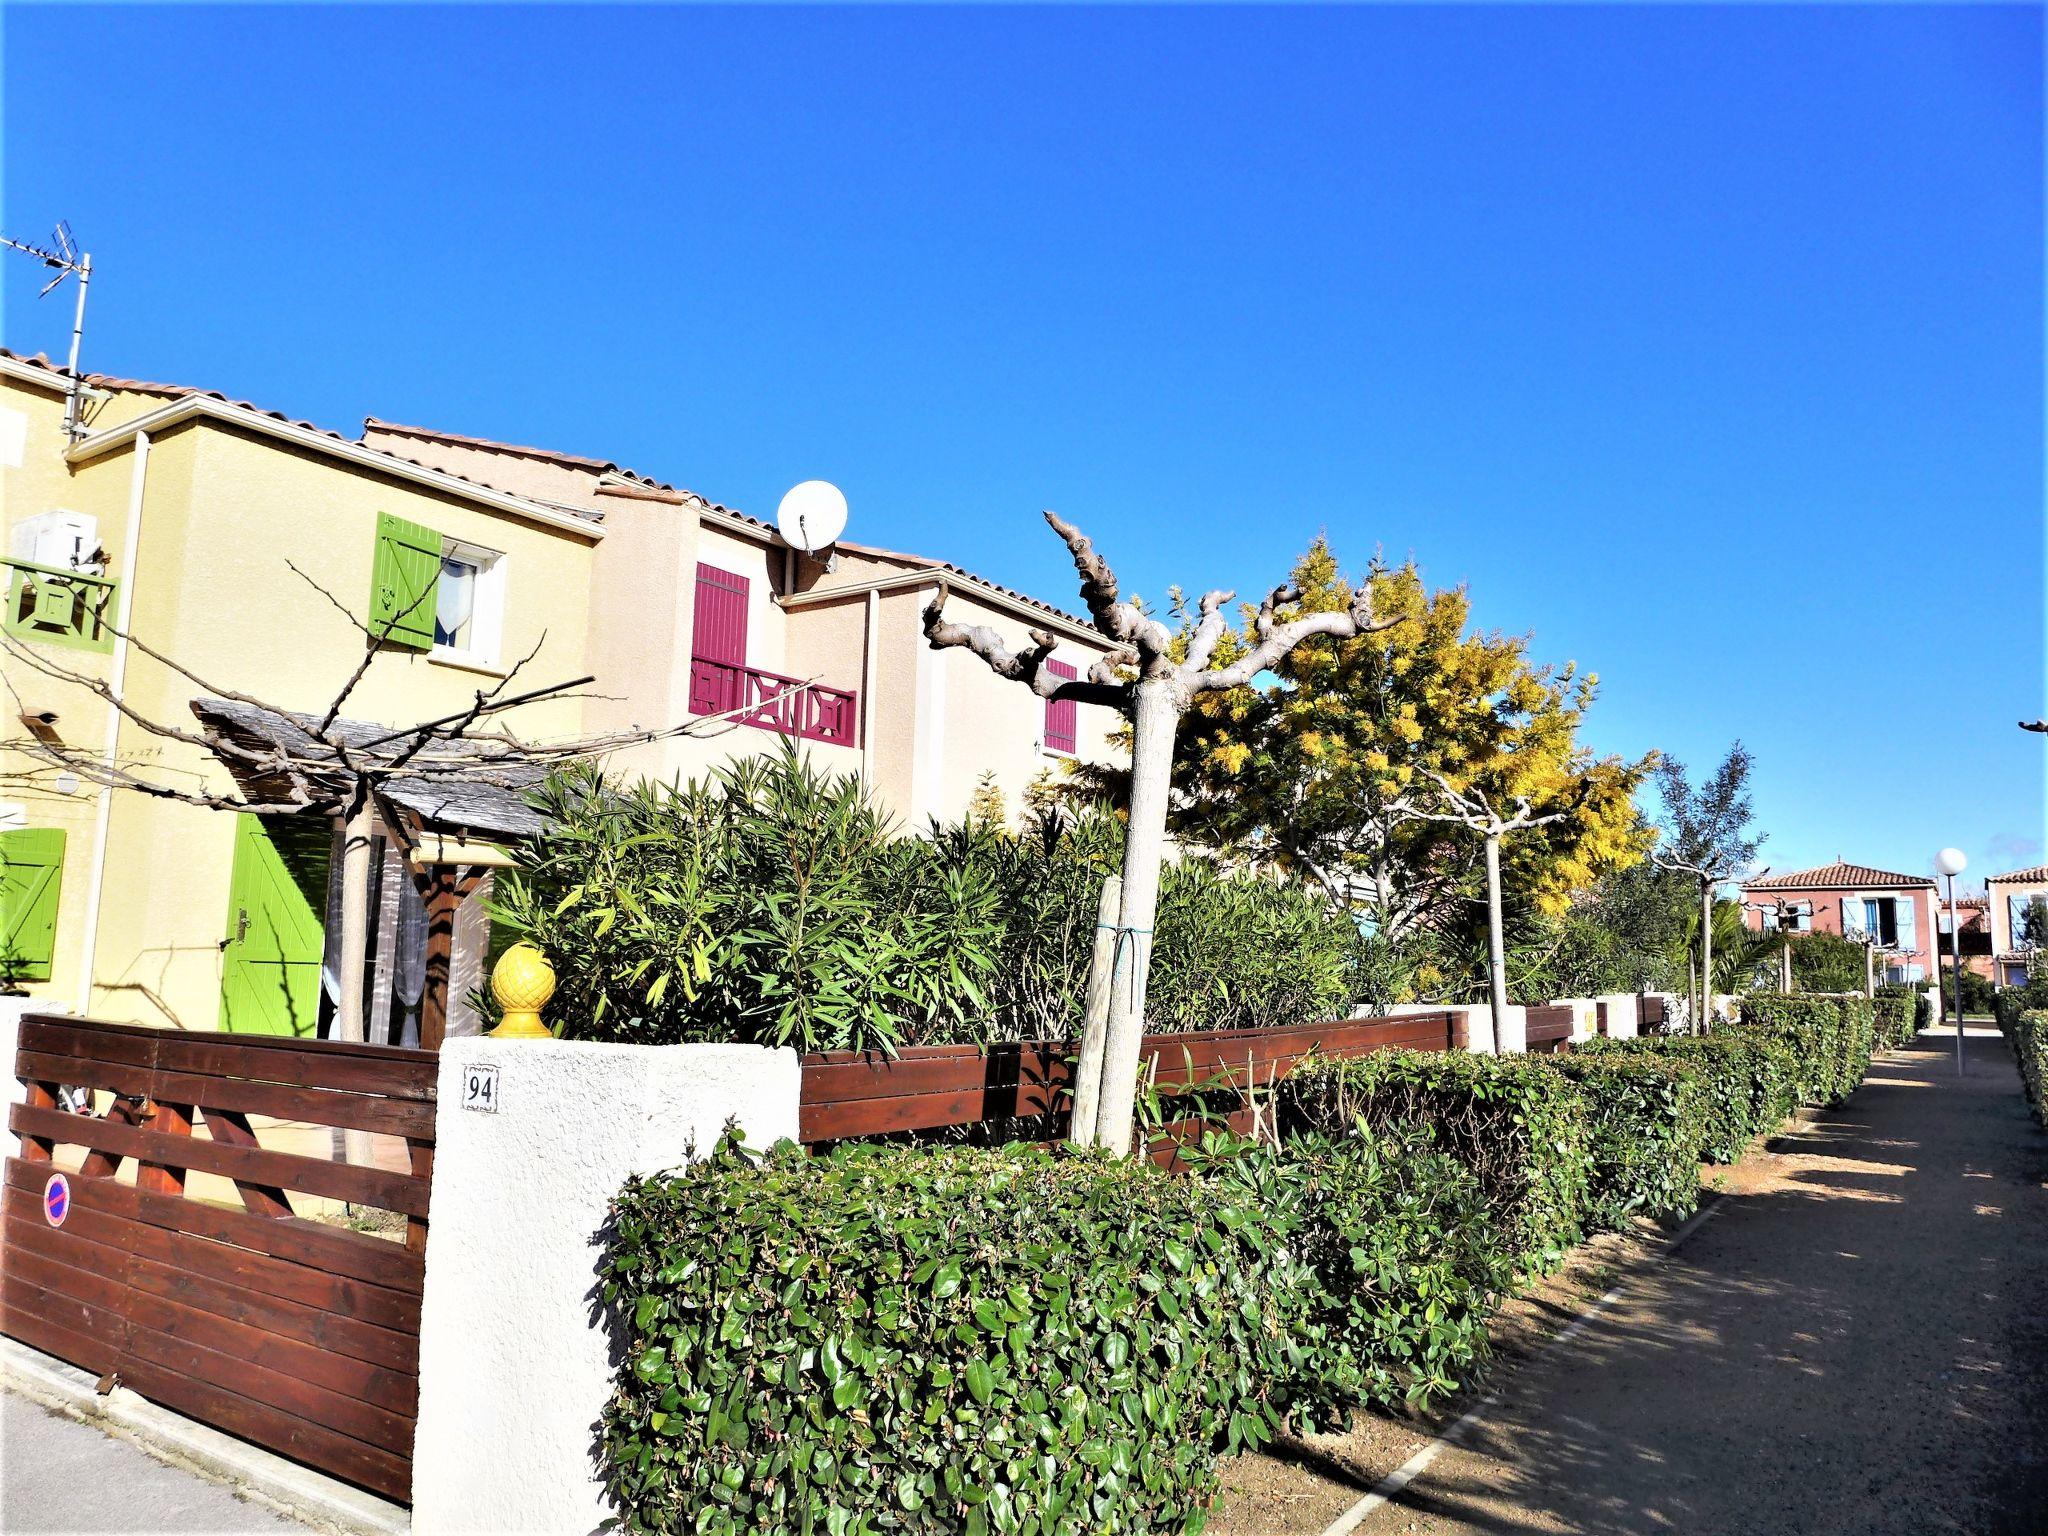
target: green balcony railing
63 607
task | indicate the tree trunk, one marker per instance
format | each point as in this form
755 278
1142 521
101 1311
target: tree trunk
1706 956
1496 943
1087 1096
1869 970
1157 714
1785 967
355 921
354 1146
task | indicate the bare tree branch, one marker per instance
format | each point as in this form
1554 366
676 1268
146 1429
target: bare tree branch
1026 666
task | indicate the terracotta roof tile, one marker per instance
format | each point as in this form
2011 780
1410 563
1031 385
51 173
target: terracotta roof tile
2035 875
1833 877
179 391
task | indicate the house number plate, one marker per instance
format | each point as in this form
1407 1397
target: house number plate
480 1088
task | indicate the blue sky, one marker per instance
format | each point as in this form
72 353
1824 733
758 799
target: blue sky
1704 344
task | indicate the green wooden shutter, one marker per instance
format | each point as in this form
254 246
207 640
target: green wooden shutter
403 582
31 875
276 938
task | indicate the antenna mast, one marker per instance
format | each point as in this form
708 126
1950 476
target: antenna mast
67 259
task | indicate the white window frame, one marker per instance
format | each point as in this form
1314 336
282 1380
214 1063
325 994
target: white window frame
487 616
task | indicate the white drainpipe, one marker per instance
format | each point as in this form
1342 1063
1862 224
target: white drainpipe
124 606
867 691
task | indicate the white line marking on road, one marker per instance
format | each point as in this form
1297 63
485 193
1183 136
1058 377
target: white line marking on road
1389 1487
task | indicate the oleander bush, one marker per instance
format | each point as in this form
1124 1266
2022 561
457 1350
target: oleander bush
1647 1121
774 902
933 1340
1831 1039
1516 1123
1407 1260
1746 1081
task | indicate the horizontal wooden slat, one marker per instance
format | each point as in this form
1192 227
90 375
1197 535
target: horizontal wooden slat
411 1118
355 1254
380 1347
848 1094
283 1043
55 1037
339 1181
295 1393
33 1309
80 1072
387 1071
238 1266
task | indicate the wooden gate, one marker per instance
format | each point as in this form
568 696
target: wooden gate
297 1334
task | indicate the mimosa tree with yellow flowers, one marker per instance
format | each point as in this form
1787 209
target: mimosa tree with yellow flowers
1387 764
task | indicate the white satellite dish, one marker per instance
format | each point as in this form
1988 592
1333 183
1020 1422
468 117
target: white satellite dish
812 516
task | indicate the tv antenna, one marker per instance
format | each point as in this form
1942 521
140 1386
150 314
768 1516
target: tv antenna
64 256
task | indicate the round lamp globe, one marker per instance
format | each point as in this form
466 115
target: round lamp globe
1950 861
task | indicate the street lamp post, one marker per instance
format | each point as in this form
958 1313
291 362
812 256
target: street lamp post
1950 863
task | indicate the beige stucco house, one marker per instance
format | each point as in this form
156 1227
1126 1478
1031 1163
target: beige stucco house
215 533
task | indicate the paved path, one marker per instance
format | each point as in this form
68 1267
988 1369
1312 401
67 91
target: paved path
1856 1342
58 1475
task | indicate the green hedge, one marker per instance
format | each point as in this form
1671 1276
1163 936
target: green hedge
1407 1261
1745 1081
2022 1014
1898 1019
1515 1122
1831 1038
941 1340
1647 1122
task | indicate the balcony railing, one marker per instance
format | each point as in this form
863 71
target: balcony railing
46 602
786 705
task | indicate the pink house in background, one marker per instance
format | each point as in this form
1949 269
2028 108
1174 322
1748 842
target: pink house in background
1894 910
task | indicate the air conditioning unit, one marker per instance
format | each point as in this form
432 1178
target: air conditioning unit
64 541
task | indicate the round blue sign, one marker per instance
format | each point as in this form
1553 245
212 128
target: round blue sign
57 1199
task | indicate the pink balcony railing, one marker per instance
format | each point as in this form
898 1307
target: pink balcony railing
774 703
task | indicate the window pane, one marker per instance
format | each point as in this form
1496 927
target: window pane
455 602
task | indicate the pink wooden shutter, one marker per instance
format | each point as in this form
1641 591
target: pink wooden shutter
1061 715
718 642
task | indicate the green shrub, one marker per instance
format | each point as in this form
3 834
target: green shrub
1831 1039
1745 1080
1980 994
927 1340
1647 1122
2022 1014
2028 1037
1408 1262
1828 962
1518 1125
773 902
1898 1016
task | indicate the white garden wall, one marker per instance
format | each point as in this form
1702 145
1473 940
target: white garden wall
515 1365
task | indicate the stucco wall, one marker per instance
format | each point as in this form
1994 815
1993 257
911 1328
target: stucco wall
515 1363
223 510
1827 912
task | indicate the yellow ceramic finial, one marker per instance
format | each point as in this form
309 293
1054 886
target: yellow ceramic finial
522 981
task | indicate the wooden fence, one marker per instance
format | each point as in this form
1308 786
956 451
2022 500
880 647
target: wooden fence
850 1094
290 1332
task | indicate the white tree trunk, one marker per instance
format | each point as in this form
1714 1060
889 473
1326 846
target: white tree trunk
1496 944
354 1146
1157 715
355 922
1706 1015
1087 1095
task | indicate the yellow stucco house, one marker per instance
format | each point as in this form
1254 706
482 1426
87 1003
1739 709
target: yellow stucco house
188 548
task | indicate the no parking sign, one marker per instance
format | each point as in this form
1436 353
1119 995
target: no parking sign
56 1200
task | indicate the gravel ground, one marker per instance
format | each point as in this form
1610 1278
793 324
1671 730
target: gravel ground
1857 1342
